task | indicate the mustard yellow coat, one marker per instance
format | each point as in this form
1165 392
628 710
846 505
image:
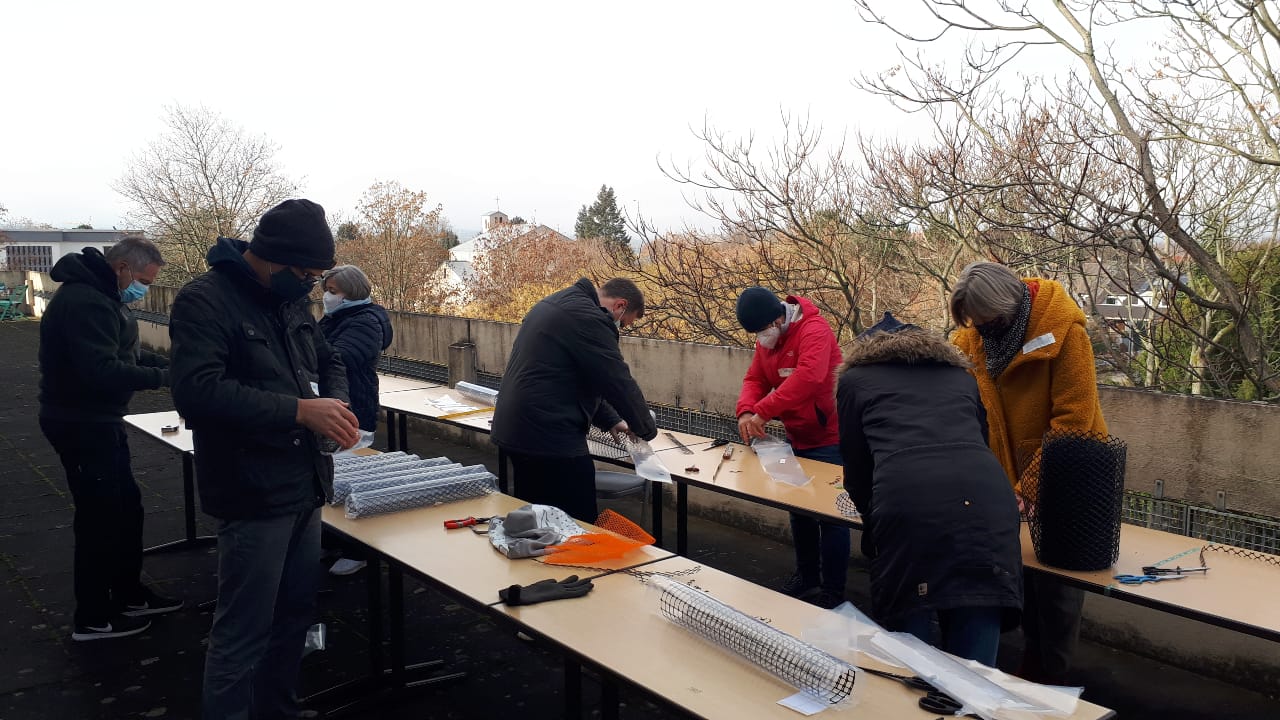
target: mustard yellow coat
1050 385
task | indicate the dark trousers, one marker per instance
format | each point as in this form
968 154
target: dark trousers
822 549
267 583
1050 627
108 516
568 483
972 633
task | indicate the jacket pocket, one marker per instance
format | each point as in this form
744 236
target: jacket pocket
258 357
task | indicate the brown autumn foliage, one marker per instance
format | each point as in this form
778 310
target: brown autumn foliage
521 264
399 244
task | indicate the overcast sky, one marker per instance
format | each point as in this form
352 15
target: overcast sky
534 103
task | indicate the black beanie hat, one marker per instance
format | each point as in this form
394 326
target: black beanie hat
757 308
294 233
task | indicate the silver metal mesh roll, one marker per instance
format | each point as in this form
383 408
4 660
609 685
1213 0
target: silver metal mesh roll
343 481
407 497
487 397
344 460
417 476
785 657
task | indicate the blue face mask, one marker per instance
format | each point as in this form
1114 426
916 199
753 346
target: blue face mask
133 293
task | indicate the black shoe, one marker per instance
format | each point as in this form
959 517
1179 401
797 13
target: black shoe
823 598
151 603
117 627
795 586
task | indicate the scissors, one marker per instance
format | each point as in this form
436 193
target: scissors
934 700
1139 579
911 681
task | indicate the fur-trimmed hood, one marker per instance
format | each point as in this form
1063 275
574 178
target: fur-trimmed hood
911 346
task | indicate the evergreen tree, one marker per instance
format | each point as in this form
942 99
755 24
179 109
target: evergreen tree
603 220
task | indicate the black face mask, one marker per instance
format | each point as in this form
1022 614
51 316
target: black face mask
289 286
993 328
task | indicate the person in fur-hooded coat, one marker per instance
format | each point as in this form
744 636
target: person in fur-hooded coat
941 524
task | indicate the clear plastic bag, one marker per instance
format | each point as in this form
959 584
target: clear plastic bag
316 636
648 465
777 459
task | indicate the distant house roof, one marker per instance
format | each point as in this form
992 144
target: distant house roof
495 212
33 235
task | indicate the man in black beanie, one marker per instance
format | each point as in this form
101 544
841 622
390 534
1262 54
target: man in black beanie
261 390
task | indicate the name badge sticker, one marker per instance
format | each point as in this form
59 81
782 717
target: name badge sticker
1044 340
785 372
315 389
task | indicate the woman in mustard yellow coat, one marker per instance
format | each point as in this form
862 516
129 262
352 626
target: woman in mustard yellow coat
1035 370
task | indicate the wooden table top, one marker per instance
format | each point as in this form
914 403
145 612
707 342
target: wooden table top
1237 592
395 383
462 559
150 423
619 627
419 402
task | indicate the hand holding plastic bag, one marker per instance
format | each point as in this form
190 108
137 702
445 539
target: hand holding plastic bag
779 461
648 465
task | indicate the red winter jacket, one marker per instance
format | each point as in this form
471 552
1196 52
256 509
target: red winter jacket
795 381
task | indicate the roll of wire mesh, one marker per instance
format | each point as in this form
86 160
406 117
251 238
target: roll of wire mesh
789 659
398 475
1074 491
416 495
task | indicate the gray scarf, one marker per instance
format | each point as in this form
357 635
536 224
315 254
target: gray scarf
1001 346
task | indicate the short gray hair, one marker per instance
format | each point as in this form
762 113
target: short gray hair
984 292
350 281
135 251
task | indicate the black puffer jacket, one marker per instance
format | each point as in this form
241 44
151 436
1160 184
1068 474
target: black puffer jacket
91 360
565 373
241 360
941 523
360 334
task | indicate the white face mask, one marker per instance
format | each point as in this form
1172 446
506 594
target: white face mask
768 337
331 301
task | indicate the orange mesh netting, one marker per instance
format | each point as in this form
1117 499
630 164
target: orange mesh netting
622 537
620 525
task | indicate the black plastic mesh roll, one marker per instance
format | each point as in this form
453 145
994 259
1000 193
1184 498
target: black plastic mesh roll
1075 488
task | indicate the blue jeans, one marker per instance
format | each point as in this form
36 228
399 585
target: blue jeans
822 549
972 633
267 583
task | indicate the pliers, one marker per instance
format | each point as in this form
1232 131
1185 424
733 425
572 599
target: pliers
466 522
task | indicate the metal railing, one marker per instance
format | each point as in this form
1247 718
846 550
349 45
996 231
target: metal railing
1176 516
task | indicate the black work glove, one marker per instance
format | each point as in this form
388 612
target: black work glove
545 590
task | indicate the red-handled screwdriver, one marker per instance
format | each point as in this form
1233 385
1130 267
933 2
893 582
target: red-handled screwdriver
464 522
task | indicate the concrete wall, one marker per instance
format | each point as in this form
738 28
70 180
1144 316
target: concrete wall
1199 446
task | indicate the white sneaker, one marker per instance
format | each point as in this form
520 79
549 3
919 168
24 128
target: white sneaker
347 567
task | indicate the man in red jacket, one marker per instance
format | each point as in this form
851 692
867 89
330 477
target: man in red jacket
792 379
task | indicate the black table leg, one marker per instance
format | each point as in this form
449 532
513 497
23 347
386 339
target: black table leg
190 538
658 494
403 419
682 519
373 583
572 689
504 481
608 698
391 430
